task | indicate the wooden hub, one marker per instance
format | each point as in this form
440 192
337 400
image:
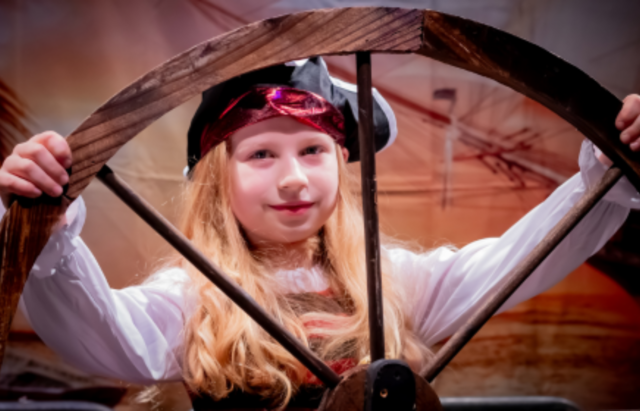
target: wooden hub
349 395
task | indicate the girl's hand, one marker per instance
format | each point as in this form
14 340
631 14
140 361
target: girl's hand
628 122
36 166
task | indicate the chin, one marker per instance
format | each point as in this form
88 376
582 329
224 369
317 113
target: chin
296 238
288 236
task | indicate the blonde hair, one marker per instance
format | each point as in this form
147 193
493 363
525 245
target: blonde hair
226 349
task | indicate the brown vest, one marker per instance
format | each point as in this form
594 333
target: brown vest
307 399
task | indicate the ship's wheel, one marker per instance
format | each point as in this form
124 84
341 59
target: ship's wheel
526 68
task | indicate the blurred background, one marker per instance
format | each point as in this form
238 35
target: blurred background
471 158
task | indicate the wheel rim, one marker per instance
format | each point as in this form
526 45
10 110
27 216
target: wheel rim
509 60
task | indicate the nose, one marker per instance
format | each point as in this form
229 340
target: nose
293 177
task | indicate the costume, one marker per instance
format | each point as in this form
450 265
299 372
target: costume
135 334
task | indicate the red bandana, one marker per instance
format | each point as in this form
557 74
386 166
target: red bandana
262 103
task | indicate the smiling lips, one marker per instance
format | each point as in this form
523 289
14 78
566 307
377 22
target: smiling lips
298 207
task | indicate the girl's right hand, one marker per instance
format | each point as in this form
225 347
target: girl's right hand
36 166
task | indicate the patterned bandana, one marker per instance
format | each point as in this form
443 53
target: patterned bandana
262 103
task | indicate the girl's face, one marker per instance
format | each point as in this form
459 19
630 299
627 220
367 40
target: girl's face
284 180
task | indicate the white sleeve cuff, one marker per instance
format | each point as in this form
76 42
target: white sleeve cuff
591 170
62 242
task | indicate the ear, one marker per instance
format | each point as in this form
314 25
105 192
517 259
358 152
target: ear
345 154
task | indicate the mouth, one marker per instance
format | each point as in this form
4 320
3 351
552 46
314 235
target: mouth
297 207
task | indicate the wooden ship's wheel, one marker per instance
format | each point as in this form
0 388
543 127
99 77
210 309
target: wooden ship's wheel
525 67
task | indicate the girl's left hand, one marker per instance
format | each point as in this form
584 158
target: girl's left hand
628 122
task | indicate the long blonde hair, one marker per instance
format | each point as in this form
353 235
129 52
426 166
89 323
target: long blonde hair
226 349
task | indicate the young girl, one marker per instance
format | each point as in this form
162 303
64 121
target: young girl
267 199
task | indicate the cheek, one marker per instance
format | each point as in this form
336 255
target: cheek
326 183
247 189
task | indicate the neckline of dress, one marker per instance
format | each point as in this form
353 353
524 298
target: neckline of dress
301 280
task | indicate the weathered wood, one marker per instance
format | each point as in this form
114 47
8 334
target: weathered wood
370 205
522 271
232 290
349 394
19 252
246 49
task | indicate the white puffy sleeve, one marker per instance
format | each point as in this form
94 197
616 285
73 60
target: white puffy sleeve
444 287
133 334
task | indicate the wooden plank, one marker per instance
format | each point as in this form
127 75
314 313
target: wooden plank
182 244
20 248
522 271
370 205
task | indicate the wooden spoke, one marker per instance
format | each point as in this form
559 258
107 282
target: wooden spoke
522 271
369 204
182 244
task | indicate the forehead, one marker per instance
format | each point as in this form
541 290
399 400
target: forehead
281 129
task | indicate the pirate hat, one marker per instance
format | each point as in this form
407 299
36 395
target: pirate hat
310 75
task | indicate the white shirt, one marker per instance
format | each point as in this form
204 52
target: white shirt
136 334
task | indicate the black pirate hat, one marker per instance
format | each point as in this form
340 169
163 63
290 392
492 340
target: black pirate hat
310 75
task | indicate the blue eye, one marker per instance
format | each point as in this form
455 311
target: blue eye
260 154
312 150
